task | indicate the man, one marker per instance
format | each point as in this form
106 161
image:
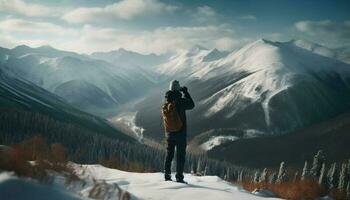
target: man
176 137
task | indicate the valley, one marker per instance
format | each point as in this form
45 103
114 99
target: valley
262 91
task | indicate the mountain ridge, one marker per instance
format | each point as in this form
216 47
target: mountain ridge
280 85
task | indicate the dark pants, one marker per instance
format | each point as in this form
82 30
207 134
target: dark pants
177 140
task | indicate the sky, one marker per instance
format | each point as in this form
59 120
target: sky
163 26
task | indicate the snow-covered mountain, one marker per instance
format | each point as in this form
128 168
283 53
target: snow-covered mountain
314 47
343 53
92 85
265 87
129 58
329 135
186 62
21 96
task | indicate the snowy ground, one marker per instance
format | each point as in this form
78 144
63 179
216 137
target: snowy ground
14 188
111 184
151 186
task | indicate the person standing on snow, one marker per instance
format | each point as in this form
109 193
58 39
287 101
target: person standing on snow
177 101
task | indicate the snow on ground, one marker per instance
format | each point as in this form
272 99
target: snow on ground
217 140
99 182
14 188
151 186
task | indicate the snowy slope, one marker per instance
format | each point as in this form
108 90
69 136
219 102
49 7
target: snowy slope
274 66
152 186
14 188
186 62
105 183
314 47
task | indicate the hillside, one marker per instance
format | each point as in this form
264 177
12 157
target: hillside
19 95
108 184
332 136
152 185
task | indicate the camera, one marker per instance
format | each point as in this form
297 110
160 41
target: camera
183 89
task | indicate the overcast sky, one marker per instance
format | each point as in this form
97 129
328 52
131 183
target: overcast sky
160 26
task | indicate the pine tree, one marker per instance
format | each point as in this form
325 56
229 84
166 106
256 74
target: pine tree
305 173
263 175
317 165
240 176
322 174
272 178
282 174
199 167
342 175
331 176
206 170
348 171
228 174
296 175
256 177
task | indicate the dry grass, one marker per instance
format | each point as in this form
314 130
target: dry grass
294 190
46 158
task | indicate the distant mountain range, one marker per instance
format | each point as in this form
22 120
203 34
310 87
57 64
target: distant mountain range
331 136
264 88
129 58
20 96
92 85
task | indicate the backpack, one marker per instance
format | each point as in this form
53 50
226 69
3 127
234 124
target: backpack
171 118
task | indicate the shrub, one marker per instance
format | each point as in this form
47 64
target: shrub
294 190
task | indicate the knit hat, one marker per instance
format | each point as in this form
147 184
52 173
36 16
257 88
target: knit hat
174 85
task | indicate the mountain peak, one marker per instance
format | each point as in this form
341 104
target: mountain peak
214 54
47 47
22 47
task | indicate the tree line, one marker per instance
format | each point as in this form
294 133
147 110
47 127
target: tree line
89 147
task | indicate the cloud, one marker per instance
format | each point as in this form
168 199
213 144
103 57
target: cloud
34 27
326 31
124 9
7 40
89 38
248 17
23 8
160 40
205 14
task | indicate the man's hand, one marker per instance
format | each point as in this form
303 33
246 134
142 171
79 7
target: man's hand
184 89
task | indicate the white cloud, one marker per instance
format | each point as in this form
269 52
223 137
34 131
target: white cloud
205 14
23 8
160 40
248 17
124 9
34 27
88 38
328 32
6 40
